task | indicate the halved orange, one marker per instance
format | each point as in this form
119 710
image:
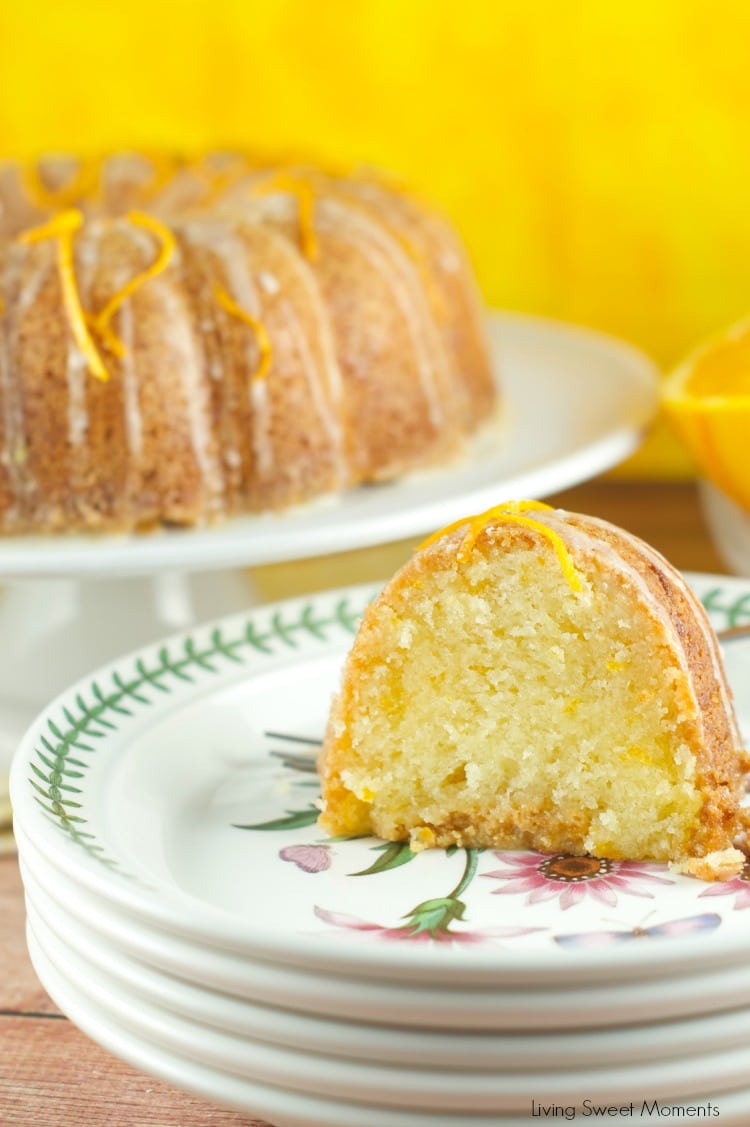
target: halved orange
707 399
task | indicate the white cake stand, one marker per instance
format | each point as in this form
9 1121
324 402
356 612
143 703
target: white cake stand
575 403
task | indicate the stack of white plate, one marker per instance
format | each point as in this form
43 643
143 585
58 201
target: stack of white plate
187 913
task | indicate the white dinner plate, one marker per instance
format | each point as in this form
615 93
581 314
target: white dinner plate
576 402
313 991
287 1108
153 784
501 1090
575 1048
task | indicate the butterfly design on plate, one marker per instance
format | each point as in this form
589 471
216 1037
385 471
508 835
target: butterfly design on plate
687 925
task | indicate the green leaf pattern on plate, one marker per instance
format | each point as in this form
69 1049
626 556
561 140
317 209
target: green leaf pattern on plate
292 820
65 750
735 611
393 855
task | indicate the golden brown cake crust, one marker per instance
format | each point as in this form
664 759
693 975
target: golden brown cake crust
700 690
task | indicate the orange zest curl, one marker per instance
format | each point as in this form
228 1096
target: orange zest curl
303 190
511 512
86 326
63 228
109 339
100 321
261 333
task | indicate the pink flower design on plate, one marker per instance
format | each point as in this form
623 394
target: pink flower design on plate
738 886
309 858
573 879
416 932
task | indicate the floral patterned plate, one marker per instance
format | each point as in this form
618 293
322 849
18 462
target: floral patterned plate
163 785
565 1039
459 1028
400 1002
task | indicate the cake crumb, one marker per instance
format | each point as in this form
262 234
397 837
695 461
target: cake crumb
723 864
422 837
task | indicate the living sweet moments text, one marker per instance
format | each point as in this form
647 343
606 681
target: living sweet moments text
643 1109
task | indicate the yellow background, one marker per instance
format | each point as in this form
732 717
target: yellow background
596 156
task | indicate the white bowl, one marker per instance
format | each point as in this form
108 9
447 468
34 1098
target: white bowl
729 525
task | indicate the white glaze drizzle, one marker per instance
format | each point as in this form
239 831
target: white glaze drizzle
130 386
20 476
305 275
76 368
707 630
269 283
13 420
325 416
389 260
197 411
234 257
76 363
323 374
32 286
188 363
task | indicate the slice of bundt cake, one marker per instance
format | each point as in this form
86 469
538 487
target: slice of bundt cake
537 678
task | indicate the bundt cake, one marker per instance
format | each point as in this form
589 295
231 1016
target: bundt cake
537 678
186 340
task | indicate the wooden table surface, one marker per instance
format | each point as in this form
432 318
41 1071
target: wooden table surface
53 1076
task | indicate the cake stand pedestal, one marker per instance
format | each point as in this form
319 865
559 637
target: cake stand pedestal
53 631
